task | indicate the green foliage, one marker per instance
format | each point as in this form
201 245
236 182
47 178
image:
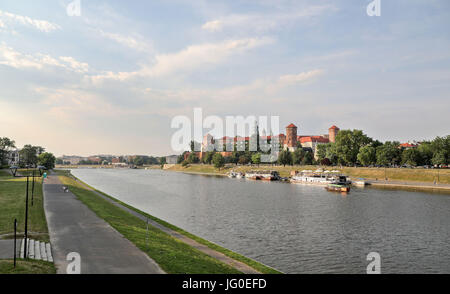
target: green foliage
285 157
367 155
47 159
298 155
29 155
348 144
308 158
243 159
6 144
192 158
388 154
256 158
411 157
162 160
184 163
218 160
207 159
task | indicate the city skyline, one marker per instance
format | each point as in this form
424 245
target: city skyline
110 80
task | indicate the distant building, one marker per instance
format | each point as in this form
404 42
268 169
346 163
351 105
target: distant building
115 160
72 159
13 157
172 159
95 159
291 138
332 133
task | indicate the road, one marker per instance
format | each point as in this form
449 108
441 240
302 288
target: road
73 227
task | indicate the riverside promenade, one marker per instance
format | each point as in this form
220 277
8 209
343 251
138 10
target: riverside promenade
73 227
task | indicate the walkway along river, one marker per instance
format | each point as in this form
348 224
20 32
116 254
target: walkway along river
294 228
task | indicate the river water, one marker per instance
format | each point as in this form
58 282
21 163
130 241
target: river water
292 227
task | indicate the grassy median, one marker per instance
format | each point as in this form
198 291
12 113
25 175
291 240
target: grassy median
12 205
173 256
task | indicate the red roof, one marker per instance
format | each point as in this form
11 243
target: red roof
334 128
317 139
408 145
290 126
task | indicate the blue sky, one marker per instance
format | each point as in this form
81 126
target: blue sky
111 80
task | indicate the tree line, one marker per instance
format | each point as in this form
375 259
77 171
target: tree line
29 155
353 147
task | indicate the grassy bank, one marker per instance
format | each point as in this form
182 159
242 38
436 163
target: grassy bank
394 174
26 267
12 205
172 255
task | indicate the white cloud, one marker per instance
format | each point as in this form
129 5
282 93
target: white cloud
263 22
13 58
135 42
192 58
74 64
299 78
41 25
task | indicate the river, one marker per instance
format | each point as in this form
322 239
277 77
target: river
292 227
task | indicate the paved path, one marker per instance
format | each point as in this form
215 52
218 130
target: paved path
410 184
7 249
240 266
73 227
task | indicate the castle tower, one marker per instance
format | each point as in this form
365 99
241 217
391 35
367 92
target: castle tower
291 138
332 132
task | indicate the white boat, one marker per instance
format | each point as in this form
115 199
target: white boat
316 178
263 175
240 175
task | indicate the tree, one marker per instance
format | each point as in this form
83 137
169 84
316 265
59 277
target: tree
47 159
285 157
308 158
218 160
348 144
411 157
162 161
426 152
388 154
207 159
192 158
29 155
256 158
6 145
367 155
234 158
298 155
439 158
138 161
243 159
184 163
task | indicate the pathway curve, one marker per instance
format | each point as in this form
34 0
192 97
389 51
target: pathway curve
73 227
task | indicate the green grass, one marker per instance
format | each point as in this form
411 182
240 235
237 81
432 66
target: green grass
173 256
394 174
256 265
12 205
26 267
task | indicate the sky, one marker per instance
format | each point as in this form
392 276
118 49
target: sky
111 80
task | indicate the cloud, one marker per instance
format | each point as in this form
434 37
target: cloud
13 58
263 22
192 58
41 25
299 78
136 42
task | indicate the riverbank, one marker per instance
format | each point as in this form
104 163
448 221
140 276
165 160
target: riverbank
397 178
175 250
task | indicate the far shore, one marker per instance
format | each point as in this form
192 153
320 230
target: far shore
437 180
